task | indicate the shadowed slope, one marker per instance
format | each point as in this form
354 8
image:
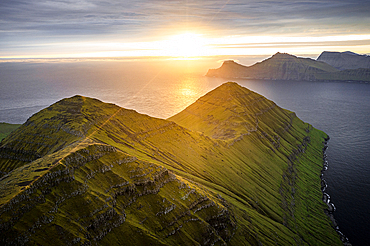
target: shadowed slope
6 129
345 60
280 66
251 178
283 66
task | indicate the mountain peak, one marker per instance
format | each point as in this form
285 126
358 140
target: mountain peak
345 60
228 86
280 66
106 175
283 55
229 62
229 68
226 112
53 128
350 53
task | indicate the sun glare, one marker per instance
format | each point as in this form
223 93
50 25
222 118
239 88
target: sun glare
193 46
185 45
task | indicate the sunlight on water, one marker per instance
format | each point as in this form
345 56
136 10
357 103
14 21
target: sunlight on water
187 92
159 88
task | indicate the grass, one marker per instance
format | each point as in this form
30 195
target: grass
133 179
6 129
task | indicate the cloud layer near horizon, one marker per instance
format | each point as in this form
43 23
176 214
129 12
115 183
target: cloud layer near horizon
34 24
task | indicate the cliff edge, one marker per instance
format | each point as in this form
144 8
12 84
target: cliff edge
345 60
232 168
282 66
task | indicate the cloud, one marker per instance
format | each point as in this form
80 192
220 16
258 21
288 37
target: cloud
40 21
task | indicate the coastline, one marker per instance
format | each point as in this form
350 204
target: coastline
326 197
293 80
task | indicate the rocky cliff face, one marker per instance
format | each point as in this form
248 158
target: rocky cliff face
99 195
233 168
345 60
288 67
280 66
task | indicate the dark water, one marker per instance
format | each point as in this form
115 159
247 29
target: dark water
164 88
342 110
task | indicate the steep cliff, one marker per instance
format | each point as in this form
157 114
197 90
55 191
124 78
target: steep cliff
288 67
280 66
229 69
345 60
231 168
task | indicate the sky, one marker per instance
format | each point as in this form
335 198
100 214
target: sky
181 28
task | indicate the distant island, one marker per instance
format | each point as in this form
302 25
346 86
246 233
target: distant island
345 60
232 168
330 66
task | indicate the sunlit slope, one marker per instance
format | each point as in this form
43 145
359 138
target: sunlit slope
229 112
45 132
132 179
97 194
267 148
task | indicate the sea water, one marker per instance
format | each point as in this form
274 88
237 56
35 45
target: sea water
164 88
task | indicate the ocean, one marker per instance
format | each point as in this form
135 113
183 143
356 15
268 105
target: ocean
162 88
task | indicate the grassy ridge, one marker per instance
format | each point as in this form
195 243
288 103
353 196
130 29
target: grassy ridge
234 168
283 170
97 189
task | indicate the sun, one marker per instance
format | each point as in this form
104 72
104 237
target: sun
185 45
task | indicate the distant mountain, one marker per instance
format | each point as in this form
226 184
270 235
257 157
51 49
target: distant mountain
229 69
280 66
283 66
232 168
345 60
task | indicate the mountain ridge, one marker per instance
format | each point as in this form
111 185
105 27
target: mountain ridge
283 66
345 60
143 180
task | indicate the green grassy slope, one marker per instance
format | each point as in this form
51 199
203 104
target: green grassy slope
283 66
96 190
6 129
282 151
234 168
43 133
